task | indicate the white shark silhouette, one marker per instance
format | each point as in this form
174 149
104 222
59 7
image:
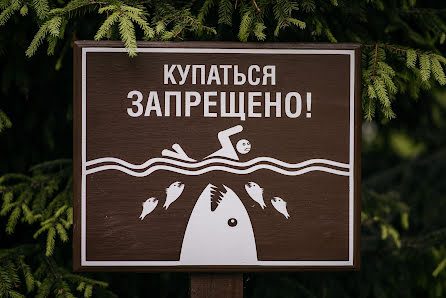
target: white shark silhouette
223 236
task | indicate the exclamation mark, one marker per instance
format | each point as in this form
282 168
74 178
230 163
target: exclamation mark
308 104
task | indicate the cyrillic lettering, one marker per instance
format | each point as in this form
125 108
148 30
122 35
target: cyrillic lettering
225 73
252 104
183 73
213 75
153 104
194 74
167 96
136 102
288 111
250 75
188 103
276 104
168 74
207 103
271 74
239 78
232 112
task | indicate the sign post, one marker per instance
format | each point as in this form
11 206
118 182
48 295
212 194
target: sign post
216 285
220 157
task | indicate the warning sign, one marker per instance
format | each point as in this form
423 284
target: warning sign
216 155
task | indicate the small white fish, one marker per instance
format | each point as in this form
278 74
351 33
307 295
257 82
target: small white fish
280 205
256 193
173 192
148 206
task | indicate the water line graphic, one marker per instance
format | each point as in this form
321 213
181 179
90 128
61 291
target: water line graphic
217 164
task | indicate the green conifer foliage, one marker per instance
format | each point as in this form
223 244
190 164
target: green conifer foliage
131 20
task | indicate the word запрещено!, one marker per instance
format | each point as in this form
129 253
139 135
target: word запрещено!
220 75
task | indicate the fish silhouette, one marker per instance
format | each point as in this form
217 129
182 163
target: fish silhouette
173 192
219 231
256 193
280 205
147 207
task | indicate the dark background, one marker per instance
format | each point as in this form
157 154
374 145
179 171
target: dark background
404 159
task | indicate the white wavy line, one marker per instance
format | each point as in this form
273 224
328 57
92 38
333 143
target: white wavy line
217 168
218 160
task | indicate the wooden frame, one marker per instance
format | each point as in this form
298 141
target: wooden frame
77 150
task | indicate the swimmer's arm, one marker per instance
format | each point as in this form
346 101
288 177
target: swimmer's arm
223 136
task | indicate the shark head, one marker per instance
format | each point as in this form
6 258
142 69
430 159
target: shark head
219 231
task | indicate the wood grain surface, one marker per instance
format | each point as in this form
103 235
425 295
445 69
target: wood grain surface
318 202
216 285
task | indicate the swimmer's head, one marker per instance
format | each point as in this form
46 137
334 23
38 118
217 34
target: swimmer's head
243 146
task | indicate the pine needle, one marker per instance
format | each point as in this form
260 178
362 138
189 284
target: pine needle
225 11
106 26
411 58
4 121
425 67
127 32
438 72
50 241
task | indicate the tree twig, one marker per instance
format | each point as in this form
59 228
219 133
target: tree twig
255 4
374 62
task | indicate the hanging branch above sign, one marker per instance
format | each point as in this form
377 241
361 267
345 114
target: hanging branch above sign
216 156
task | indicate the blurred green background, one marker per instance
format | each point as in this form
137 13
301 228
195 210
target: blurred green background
403 230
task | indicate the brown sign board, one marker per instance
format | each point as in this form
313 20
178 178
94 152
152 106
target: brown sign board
200 156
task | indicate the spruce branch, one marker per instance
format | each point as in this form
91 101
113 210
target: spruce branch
172 23
45 287
6 14
127 32
57 165
258 31
15 272
139 18
41 7
368 100
204 11
245 26
438 71
381 80
50 241
24 10
38 38
13 265
425 67
26 271
283 10
298 23
411 58
76 5
4 121
88 291
106 25
225 11
439 268
375 57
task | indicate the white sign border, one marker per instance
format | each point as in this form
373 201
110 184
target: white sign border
351 53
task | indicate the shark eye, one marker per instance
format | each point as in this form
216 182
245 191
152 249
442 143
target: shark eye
232 222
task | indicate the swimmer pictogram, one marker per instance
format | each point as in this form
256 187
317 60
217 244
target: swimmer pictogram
225 159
